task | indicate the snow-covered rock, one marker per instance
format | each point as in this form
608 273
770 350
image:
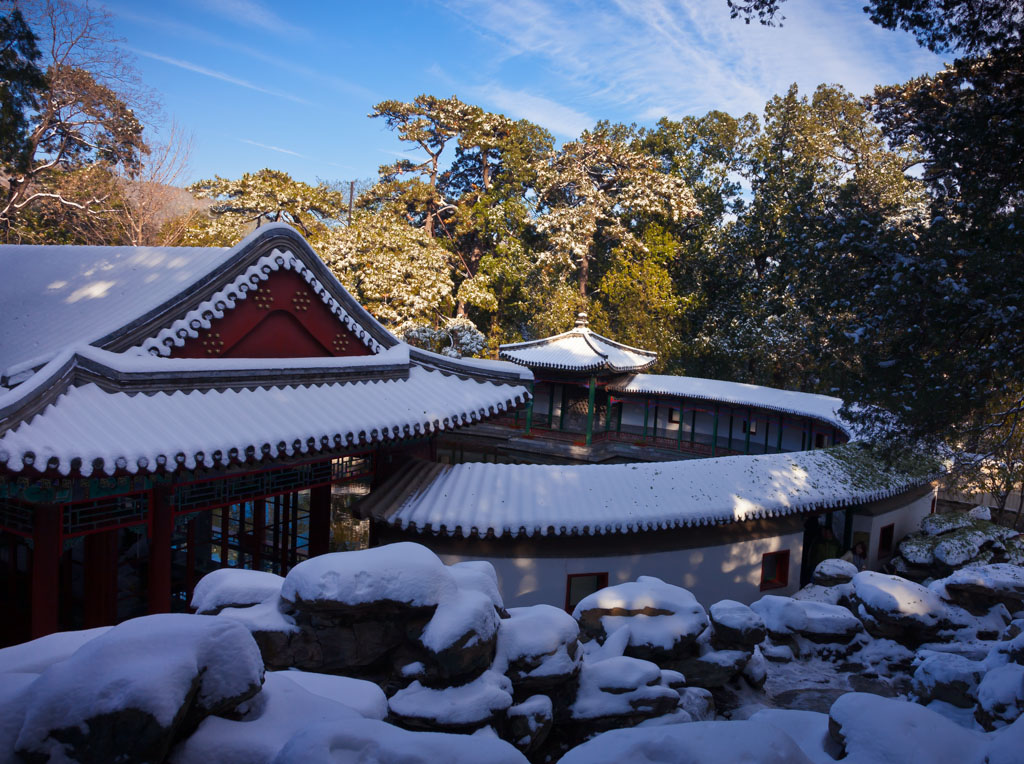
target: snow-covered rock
130 693
982 586
824 623
735 626
947 677
539 648
530 722
783 616
234 588
833 572
663 621
621 691
478 575
461 635
452 709
1000 696
893 607
876 730
404 574
745 741
262 725
372 742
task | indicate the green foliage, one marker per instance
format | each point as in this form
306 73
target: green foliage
21 81
264 196
395 270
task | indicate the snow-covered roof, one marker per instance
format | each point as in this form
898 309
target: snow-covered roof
531 500
102 412
148 298
102 395
54 296
822 407
579 349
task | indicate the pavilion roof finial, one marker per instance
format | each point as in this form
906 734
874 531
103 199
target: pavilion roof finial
581 319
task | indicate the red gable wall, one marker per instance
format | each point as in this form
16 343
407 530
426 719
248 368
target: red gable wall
283 318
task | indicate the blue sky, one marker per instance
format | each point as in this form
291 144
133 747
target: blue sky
288 85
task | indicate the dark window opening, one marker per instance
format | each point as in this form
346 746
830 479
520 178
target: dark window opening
885 539
819 440
775 570
580 585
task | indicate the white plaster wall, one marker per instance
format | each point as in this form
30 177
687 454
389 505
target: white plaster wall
731 571
906 520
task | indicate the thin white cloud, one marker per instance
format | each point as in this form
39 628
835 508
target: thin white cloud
273 148
181 29
191 67
677 57
558 118
254 14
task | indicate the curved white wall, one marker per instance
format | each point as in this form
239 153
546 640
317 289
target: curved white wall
730 571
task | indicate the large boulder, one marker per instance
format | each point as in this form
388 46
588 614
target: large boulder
894 608
735 626
130 693
663 621
783 616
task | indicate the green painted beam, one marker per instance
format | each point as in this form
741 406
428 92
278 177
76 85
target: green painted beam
647 406
782 426
590 409
750 423
529 411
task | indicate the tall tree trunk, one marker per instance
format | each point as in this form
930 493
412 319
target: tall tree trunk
1020 507
584 274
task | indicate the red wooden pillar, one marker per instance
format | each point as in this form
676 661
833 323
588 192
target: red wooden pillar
100 579
47 546
161 530
319 520
259 523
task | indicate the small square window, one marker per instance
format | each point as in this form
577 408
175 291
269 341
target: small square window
885 539
775 570
580 585
673 416
752 427
819 440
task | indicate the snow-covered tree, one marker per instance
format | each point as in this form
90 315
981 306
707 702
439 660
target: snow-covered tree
596 191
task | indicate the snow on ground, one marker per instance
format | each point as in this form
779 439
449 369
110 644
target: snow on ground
365 697
373 742
38 655
746 741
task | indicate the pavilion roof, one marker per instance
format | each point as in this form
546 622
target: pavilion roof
542 500
578 349
821 407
